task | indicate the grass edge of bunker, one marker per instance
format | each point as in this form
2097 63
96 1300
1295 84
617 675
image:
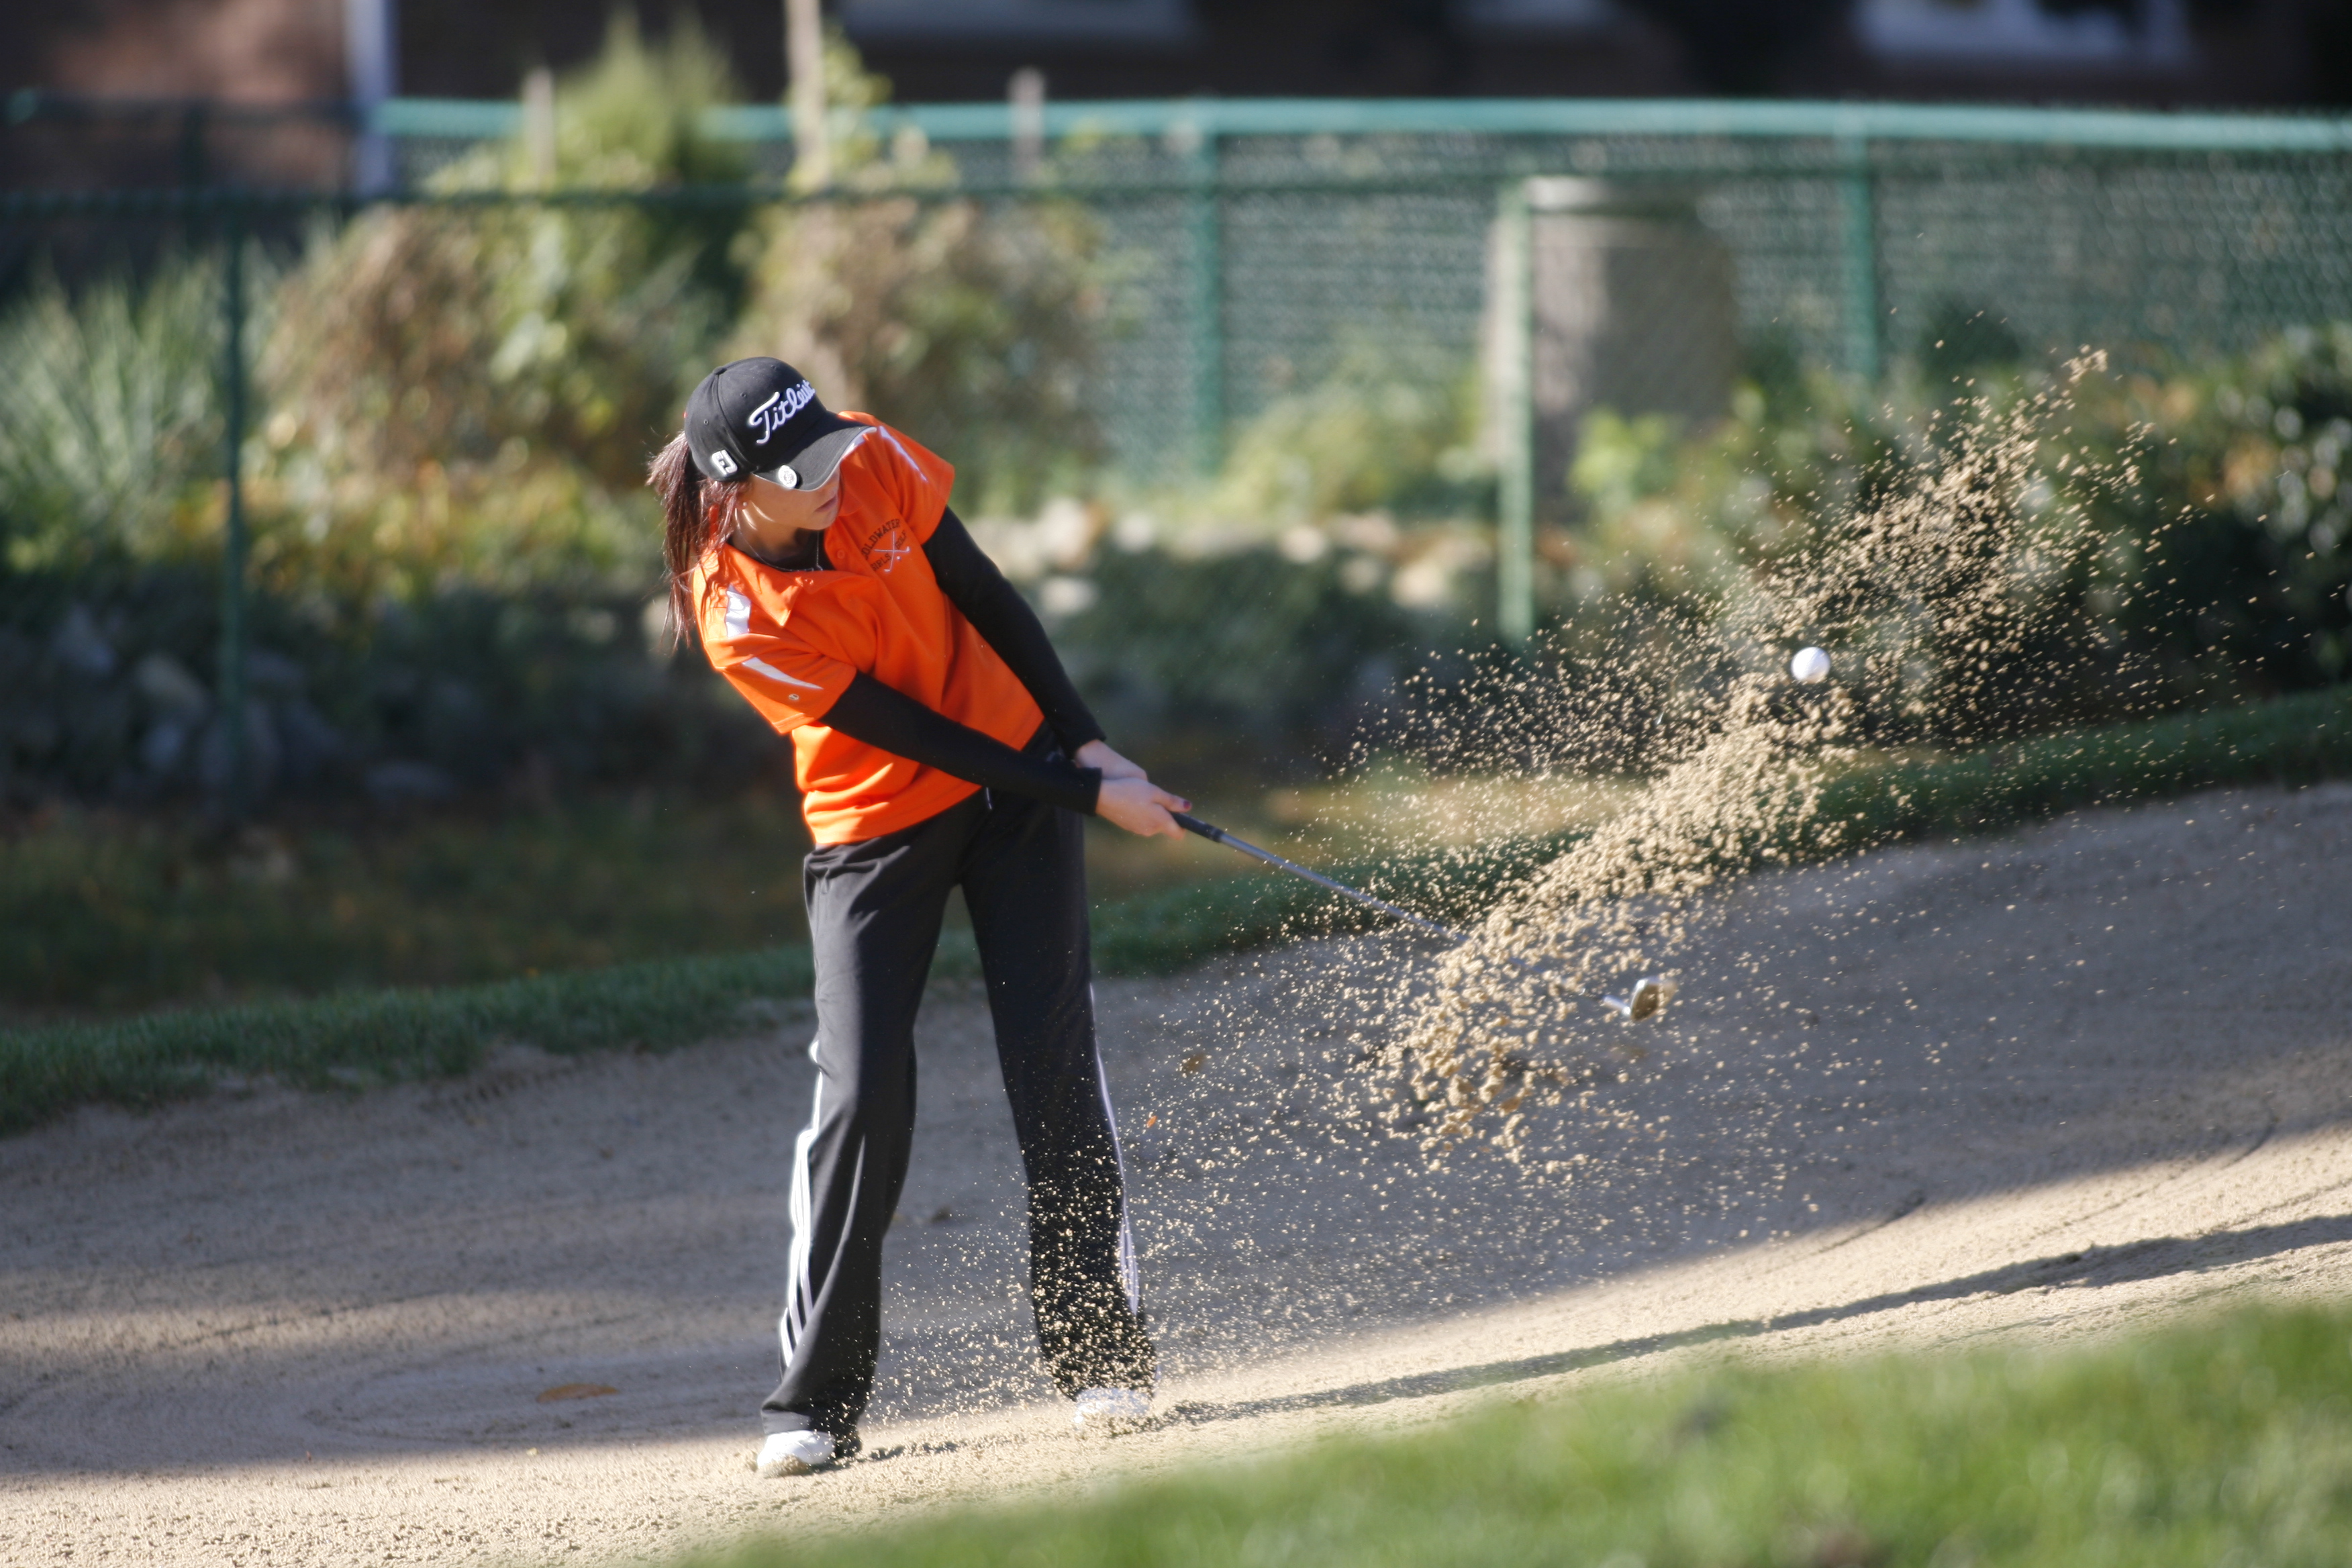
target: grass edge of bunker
2219 1439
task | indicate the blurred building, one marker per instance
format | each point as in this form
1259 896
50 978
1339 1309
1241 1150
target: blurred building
2135 51
2111 51
2161 52
1352 48
111 91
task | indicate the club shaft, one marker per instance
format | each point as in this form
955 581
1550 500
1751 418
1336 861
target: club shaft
1216 835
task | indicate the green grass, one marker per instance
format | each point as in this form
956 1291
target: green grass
2223 1441
105 915
382 1035
359 1037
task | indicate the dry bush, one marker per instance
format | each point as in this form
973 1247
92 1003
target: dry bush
467 392
428 334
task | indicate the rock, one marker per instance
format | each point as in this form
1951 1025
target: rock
261 753
307 743
173 696
273 674
79 646
163 746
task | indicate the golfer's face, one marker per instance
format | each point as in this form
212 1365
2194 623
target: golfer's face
778 508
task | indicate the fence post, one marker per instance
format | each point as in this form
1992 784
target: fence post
230 677
1515 533
1858 206
1206 306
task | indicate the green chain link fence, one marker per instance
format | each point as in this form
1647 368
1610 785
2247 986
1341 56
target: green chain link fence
1543 261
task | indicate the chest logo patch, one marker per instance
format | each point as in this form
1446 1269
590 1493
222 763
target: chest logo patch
887 546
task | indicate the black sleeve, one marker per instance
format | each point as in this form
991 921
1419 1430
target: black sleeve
879 716
999 614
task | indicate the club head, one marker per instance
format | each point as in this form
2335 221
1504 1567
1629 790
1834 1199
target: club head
1650 992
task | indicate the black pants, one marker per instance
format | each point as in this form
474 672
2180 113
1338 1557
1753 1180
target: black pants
874 920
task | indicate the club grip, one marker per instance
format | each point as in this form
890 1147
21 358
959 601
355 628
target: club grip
1192 824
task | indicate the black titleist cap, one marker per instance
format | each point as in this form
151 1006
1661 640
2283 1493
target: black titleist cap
762 416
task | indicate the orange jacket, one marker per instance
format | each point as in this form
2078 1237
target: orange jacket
791 641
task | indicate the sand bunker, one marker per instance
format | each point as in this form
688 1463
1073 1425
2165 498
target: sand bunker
2041 1086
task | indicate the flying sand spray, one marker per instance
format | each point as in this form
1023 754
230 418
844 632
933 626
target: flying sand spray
1810 665
1649 994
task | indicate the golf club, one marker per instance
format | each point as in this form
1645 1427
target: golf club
1649 994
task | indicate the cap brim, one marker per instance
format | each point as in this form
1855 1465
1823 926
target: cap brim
814 463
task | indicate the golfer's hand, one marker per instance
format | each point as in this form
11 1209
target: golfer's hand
1099 754
1140 806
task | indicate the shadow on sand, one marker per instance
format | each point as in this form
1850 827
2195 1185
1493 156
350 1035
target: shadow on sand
2152 1260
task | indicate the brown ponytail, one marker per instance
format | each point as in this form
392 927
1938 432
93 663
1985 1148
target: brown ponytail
697 517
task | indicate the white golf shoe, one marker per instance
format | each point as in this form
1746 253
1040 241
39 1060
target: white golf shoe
793 1453
1106 1412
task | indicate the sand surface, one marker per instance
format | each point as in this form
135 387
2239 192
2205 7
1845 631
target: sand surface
2041 1086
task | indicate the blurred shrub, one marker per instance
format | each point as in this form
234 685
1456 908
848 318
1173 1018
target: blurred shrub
1390 429
108 421
484 341
969 326
450 549
2213 566
1285 595
110 452
1248 641
1198 633
2230 537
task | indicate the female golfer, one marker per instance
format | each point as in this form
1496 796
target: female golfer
937 741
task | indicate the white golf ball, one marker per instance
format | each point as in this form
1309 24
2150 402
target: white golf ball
1810 665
